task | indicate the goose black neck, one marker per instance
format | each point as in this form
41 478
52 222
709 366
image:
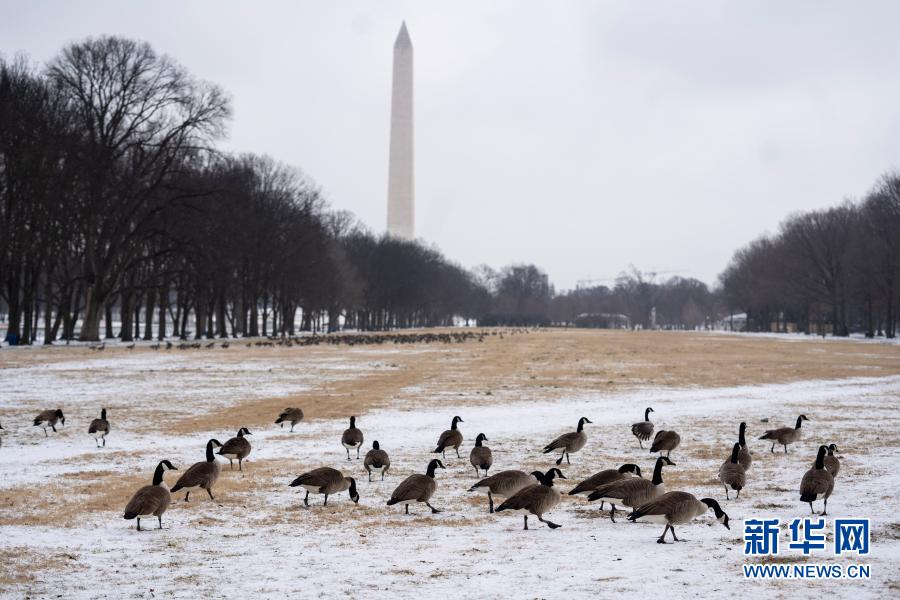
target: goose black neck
657 472
453 425
734 453
352 422
210 457
431 467
103 414
580 424
820 458
741 439
158 474
647 415
799 422
478 441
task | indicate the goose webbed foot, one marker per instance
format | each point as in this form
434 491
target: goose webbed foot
550 524
434 510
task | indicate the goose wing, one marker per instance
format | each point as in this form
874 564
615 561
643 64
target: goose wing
320 478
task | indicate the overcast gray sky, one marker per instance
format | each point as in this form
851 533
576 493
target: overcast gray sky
581 136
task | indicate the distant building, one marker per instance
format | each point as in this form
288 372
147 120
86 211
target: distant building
603 321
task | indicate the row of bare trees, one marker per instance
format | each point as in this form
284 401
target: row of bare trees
119 219
834 270
637 300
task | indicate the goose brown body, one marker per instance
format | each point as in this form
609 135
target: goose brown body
676 508
817 483
633 491
237 448
202 475
732 474
665 441
536 499
352 438
644 429
417 488
151 500
785 435
481 456
99 428
49 418
569 442
504 484
451 438
327 481
377 461
290 415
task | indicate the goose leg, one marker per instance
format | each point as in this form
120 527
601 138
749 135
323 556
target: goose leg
138 523
434 511
240 464
382 474
550 524
825 508
45 432
602 502
785 448
726 493
811 509
568 462
357 452
53 427
641 442
348 453
612 513
559 460
738 495
187 496
772 449
662 539
457 452
104 441
407 509
673 534
160 521
292 427
476 471
306 499
326 500
370 475
209 491
526 522
231 464
490 503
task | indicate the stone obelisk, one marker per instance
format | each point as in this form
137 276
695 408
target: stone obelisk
401 194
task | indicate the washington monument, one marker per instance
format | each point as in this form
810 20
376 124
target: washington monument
401 192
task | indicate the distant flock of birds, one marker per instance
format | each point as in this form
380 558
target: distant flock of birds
524 493
346 339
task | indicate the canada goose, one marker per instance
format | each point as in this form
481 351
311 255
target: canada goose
817 483
452 438
352 438
606 476
377 460
505 484
201 475
633 491
732 474
291 415
536 499
832 464
417 488
784 435
665 441
49 418
643 430
151 500
237 448
326 480
745 457
480 456
676 508
99 428
569 442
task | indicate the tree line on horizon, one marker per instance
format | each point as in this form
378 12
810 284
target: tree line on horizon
120 219
834 270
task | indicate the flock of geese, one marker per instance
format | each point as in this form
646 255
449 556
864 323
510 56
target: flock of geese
528 494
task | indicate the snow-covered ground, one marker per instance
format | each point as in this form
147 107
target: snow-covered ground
256 539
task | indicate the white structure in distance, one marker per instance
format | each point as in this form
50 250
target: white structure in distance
401 191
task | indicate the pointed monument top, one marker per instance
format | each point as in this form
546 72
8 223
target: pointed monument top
403 40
